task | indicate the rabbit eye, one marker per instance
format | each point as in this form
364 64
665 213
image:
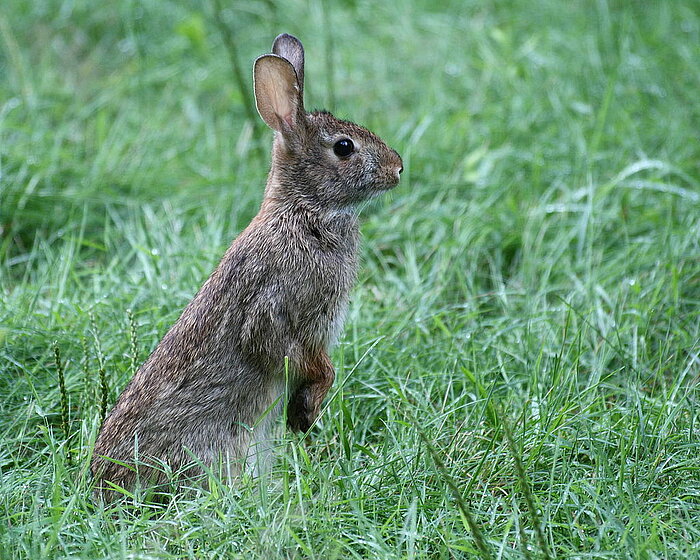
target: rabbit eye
343 148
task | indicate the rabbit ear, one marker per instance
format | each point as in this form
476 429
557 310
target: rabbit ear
277 94
289 47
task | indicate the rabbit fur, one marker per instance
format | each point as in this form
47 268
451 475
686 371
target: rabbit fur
215 383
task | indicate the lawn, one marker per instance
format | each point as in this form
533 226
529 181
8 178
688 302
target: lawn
518 375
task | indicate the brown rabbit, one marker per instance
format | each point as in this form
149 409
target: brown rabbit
280 291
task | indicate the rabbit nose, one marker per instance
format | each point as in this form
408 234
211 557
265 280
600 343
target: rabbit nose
398 163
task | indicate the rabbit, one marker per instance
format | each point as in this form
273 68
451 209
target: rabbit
262 325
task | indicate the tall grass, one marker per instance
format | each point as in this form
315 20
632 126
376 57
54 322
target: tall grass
518 377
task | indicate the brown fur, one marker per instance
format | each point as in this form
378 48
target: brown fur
280 290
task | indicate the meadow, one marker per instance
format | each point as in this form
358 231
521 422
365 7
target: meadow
518 375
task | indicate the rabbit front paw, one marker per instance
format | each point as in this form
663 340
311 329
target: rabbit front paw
300 410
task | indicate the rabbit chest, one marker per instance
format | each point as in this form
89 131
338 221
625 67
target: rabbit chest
290 279
321 270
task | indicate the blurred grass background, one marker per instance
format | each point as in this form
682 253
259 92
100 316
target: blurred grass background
536 273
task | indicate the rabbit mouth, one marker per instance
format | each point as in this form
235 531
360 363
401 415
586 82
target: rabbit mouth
387 184
379 189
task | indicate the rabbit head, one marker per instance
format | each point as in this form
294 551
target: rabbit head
318 161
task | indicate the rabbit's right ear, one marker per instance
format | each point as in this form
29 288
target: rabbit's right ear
277 93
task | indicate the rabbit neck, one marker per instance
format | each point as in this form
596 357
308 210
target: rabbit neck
287 193
328 223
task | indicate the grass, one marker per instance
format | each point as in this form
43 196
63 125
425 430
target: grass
518 377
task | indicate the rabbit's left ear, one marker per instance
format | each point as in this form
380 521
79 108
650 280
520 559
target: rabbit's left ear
289 47
277 93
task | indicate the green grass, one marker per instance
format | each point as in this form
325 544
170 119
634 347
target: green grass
518 377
